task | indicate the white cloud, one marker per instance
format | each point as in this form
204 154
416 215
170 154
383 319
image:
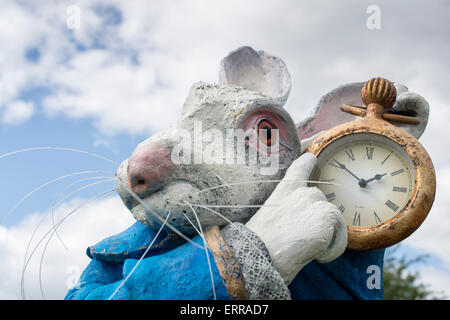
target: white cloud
120 96
433 235
17 112
133 76
437 279
90 224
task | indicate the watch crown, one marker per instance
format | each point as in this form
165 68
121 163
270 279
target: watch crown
379 91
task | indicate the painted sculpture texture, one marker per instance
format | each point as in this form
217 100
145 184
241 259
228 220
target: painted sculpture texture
255 228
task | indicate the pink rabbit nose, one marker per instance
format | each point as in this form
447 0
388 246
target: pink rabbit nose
149 168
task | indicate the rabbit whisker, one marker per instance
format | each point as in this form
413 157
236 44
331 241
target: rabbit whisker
95 155
22 281
44 185
40 222
217 213
55 227
185 215
141 258
206 250
221 206
56 203
148 209
37 227
220 215
274 181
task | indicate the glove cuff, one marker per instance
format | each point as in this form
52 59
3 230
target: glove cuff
262 280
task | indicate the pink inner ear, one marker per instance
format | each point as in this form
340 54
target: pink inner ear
328 114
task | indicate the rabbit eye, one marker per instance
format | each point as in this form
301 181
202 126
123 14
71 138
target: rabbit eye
265 133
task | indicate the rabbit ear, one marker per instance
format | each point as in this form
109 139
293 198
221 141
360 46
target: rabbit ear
327 113
256 71
411 104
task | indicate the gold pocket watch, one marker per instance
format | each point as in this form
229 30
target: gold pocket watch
378 175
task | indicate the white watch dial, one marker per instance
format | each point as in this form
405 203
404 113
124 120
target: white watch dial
367 176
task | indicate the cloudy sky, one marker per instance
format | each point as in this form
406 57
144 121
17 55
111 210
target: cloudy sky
122 74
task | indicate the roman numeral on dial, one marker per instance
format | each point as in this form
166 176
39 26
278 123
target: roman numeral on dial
377 218
334 164
349 152
399 189
357 219
369 152
397 172
386 158
392 205
330 196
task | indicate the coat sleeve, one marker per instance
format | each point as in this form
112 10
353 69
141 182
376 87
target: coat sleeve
354 275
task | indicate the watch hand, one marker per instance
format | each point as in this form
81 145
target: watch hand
377 177
342 166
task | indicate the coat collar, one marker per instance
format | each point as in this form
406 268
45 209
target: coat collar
132 243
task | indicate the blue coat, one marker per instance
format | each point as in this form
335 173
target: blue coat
175 269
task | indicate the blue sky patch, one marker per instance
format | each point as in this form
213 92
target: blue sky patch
33 55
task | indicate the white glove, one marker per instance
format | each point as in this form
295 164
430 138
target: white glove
297 223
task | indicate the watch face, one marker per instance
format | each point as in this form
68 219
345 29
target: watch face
369 177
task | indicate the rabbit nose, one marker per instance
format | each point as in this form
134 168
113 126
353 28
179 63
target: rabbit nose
149 168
